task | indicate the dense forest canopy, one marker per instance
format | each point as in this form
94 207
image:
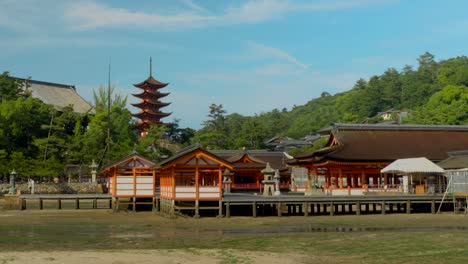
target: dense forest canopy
37 139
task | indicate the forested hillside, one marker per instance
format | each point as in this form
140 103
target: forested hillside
433 93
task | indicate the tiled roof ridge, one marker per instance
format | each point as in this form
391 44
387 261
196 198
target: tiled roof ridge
342 126
61 85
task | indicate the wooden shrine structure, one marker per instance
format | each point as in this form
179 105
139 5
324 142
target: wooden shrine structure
150 104
248 164
191 176
351 160
131 177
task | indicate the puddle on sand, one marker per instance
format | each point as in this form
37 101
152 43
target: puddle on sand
212 233
114 232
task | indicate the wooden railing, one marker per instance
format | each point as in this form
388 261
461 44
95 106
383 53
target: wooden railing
255 186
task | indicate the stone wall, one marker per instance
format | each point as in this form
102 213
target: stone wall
55 188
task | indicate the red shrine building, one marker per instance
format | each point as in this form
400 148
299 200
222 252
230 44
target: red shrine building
150 104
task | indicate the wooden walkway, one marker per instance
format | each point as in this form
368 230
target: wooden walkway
307 205
77 199
259 205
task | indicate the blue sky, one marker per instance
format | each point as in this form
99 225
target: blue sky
251 56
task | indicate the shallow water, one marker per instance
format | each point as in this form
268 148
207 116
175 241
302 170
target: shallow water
281 231
114 232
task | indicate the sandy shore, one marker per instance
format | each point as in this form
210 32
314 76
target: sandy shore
151 256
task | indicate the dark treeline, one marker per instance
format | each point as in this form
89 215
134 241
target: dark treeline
37 139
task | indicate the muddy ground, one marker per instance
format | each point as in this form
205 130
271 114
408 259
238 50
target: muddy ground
100 236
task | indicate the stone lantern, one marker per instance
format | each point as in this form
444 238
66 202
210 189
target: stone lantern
93 167
277 183
268 181
13 175
227 181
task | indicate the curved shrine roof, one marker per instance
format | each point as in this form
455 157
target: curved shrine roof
389 142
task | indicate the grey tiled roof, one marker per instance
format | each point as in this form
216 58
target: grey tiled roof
58 95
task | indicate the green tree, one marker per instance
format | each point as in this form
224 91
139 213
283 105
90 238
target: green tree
214 133
154 144
10 89
254 133
94 140
454 72
21 120
391 88
448 106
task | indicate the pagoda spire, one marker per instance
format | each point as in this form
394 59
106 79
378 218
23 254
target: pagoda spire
150 104
151 67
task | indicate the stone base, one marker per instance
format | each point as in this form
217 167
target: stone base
12 202
313 192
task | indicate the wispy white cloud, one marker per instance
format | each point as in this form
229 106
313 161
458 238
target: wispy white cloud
267 51
196 7
28 16
91 15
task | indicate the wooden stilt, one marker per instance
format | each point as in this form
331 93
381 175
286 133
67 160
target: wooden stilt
358 208
382 205
94 203
117 205
408 207
197 209
59 203
332 209
306 208
220 208
77 203
41 206
278 209
254 209
433 207
228 209
134 204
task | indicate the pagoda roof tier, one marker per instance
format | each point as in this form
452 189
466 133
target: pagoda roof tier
151 103
150 115
147 94
151 83
146 124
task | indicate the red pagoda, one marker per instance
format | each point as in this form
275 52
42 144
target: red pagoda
150 104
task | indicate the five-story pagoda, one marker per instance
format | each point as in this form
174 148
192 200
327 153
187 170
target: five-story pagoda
150 104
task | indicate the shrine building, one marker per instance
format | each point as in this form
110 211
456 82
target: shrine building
351 160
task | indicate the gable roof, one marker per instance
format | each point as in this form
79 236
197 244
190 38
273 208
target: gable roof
258 158
131 161
186 152
377 142
58 95
456 160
